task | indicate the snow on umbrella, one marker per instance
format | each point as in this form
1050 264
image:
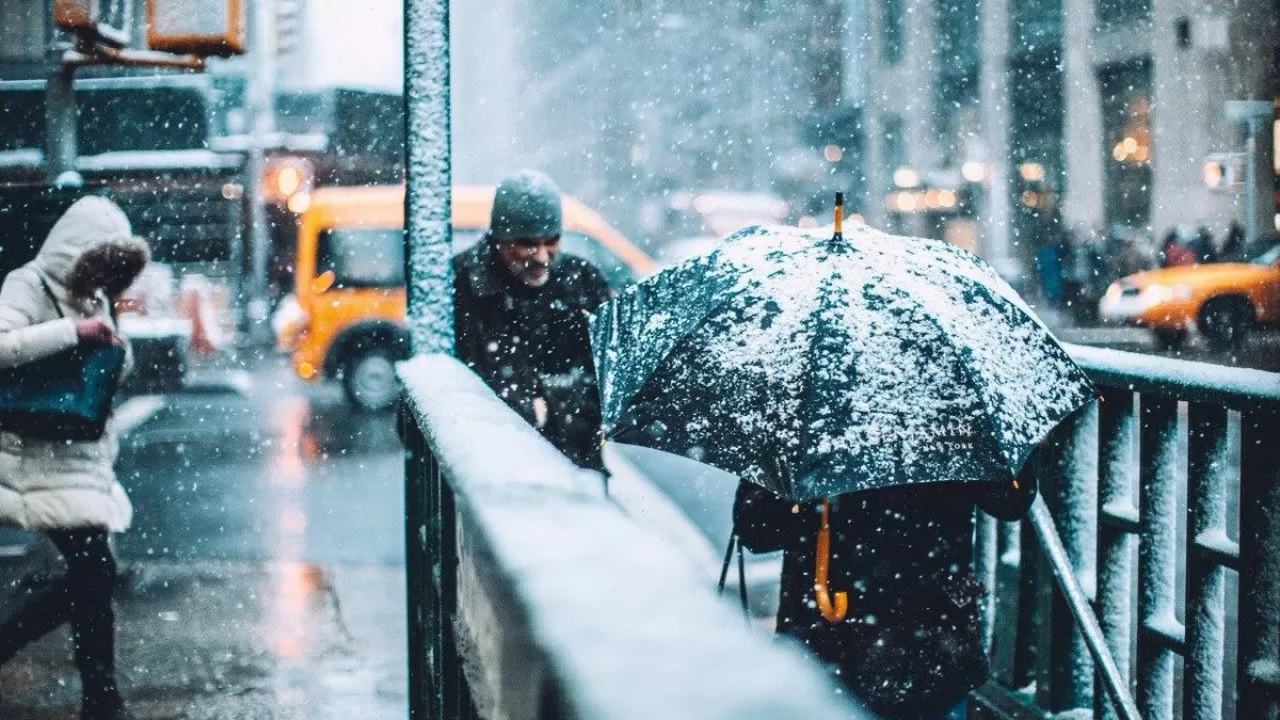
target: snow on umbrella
815 366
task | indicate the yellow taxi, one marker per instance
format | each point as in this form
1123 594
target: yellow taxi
345 319
1223 301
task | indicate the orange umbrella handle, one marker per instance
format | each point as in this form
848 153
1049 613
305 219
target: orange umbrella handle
832 612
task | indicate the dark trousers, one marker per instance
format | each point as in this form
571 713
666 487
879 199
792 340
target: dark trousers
82 597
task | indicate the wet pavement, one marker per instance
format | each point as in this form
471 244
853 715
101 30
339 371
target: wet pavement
263 576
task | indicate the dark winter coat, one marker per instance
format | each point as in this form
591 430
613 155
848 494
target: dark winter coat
904 555
530 342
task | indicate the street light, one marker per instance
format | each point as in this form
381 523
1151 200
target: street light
1252 114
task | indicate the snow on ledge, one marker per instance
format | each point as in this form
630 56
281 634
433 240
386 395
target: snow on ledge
628 626
1238 388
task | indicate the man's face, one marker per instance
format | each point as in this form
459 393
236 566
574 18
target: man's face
529 260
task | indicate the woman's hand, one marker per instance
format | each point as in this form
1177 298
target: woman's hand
96 331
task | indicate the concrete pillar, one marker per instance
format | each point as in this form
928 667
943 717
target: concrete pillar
1084 153
994 104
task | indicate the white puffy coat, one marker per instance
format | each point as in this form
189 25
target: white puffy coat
52 485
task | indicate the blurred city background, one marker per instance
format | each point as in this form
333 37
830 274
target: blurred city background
1114 160
1021 129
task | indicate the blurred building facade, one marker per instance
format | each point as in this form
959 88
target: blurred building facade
628 102
1100 112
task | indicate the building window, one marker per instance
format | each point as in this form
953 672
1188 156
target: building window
891 31
1121 12
1037 24
957 61
895 144
23 34
1126 129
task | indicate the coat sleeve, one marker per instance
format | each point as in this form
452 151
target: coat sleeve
22 339
764 522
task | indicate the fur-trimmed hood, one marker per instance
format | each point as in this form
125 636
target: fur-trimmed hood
91 224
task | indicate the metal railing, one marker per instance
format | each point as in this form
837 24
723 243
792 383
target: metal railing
532 596
1149 473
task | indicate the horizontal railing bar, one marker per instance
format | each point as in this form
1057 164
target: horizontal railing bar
1168 633
1121 516
1231 387
1000 703
1266 674
1218 549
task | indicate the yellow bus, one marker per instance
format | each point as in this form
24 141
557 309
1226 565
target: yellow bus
345 320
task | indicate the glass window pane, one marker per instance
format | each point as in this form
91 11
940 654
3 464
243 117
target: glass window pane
363 257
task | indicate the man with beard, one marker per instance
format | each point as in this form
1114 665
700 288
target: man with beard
520 316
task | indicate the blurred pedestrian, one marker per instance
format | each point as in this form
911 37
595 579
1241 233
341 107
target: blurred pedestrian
1049 265
1233 244
1202 246
912 646
520 317
68 490
1173 253
1076 272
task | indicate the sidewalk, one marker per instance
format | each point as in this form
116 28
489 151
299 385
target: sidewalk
230 641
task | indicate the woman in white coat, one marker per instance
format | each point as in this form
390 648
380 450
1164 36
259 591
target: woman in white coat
68 490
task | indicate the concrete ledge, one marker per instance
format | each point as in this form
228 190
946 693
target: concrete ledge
624 625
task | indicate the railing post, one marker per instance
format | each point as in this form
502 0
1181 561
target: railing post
1033 583
1206 581
1157 561
1070 491
1117 458
423 652
1258 667
430 553
985 566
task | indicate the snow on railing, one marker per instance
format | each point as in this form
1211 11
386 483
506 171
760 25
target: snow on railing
1159 458
543 599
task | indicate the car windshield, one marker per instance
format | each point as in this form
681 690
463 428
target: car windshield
1270 257
362 257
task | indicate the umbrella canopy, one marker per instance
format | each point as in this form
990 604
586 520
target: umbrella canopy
816 366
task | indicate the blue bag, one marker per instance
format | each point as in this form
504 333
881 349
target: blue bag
66 396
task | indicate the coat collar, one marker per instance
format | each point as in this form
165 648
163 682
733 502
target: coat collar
482 269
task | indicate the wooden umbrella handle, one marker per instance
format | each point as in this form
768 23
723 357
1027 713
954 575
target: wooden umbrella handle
832 612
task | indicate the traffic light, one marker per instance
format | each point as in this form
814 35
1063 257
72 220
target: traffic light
198 27
1224 171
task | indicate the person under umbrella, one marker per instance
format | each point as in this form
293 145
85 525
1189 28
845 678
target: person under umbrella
868 391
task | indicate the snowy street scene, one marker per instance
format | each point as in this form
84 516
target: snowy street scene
543 360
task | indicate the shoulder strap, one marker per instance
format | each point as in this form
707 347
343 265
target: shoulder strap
52 298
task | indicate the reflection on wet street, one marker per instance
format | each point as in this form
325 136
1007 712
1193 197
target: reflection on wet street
262 576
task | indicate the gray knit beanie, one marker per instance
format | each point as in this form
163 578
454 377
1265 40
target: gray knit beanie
526 205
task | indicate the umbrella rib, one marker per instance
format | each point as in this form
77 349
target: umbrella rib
805 434
1009 306
987 415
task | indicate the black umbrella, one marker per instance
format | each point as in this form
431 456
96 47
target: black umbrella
816 366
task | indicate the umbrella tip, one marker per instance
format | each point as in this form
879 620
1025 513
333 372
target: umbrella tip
839 234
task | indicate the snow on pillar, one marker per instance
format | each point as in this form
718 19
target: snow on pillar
428 206
996 20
